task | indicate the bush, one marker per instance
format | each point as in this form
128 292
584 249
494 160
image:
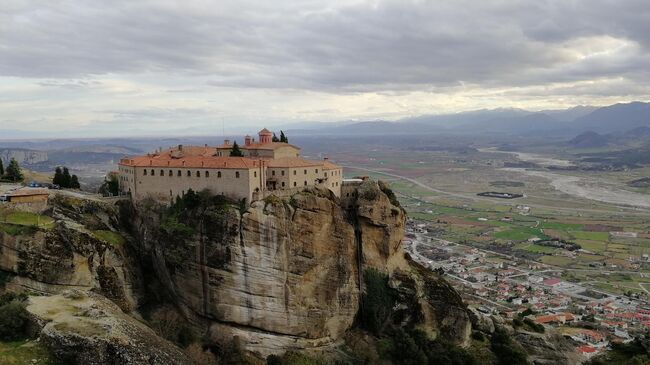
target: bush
507 353
199 356
534 326
377 302
294 358
169 324
13 321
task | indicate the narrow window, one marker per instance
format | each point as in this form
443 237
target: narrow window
305 172
171 173
162 172
254 173
189 173
218 174
198 174
273 172
179 173
325 173
283 184
237 174
207 174
305 183
145 172
294 184
316 170
294 172
282 172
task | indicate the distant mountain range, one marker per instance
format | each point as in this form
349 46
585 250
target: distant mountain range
617 118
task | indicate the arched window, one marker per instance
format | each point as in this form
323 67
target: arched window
171 173
282 172
305 171
145 172
153 173
295 172
198 174
189 173
218 174
305 183
254 173
283 184
207 174
294 184
179 173
316 170
237 174
162 172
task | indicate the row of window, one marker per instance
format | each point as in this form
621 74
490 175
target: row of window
152 172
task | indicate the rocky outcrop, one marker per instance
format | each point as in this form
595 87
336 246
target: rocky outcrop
547 348
69 254
23 156
283 273
86 328
286 273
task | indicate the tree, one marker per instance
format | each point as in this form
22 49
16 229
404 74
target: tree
275 138
67 179
13 171
235 151
2 168
58 176
283 137
74 182
110 186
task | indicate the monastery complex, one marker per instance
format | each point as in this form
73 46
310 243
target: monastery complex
266 168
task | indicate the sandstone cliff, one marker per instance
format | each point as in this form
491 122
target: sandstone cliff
286 273
70 254
279 274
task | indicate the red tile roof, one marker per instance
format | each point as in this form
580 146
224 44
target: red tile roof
552 281
586 349
210 162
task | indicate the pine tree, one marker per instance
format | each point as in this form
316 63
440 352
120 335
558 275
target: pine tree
275 138
74 182
2 168
58 176
283 138
236 152
13 171
67 179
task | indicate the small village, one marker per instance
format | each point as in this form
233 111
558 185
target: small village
530 295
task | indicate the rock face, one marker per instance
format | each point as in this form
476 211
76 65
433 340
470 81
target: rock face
86 328
287 273
69 255
548 348
23 156
279 274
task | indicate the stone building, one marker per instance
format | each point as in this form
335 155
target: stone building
266 168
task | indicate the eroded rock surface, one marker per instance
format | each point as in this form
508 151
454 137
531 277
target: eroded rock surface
86 328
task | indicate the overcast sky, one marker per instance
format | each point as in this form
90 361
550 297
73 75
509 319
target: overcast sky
151 67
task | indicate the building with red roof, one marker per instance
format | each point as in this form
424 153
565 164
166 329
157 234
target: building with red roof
266 167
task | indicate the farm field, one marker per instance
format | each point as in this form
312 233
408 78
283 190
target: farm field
440 188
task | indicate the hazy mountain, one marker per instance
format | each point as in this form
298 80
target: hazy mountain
589 139
553 123
571 114
616 118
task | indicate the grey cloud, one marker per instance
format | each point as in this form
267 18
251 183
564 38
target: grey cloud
367 46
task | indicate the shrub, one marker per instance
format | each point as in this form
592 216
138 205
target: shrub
506 351
377 302
534 326
13 321
199 356
168 323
